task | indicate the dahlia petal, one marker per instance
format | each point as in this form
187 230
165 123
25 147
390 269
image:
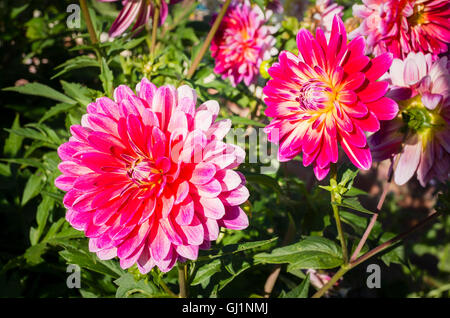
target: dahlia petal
160 244
234 218
236 196
408 162
186 212
188 251
379 66
383 108
203 173
212 207
360 157
209 190
373 91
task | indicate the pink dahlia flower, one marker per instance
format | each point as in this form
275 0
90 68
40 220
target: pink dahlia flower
422 89
148 178
241 43
403 26
325 96
139 10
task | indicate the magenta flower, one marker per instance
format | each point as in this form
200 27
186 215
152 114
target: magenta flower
403 26
139 10
148 178
241 43
422 89
325 96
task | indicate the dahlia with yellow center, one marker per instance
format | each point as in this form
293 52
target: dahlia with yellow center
325 96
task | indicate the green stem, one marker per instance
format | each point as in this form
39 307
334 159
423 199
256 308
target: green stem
154 31
332 281
167 289
333 183
89 24
182 279
208 40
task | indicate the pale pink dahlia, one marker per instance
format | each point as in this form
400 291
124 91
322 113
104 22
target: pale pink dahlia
321 14
325 96
241 43
403 26
139 10
148 178
422 89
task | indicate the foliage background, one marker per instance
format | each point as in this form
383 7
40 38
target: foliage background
36 243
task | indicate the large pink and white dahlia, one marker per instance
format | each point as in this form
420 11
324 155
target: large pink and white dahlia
420 135
325 96
139 10
148 177
403 26
241 43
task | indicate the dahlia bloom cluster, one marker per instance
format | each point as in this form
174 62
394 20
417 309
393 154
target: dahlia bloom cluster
241 43
403 26
325 96
139 10
422 89
148 177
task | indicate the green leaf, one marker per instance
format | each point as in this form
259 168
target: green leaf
76 63
33 187
14 142
129 287
42 214
81 256
236 120
106 77
26 162
301 291
312 252
264 180
78 92
360 223
354 204
55 110
38 89
352 192
238 248
33 254
204 273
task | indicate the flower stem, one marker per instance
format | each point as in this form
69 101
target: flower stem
154 30
182 278
167 289
208 40
333 182
332 281
345 268
379 206
89 24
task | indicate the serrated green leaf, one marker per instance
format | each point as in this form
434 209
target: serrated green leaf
204 272
38 89
106 77
301 291
311 252
76 63
32 187
354 204
78 92
129 287
14 142
55 110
